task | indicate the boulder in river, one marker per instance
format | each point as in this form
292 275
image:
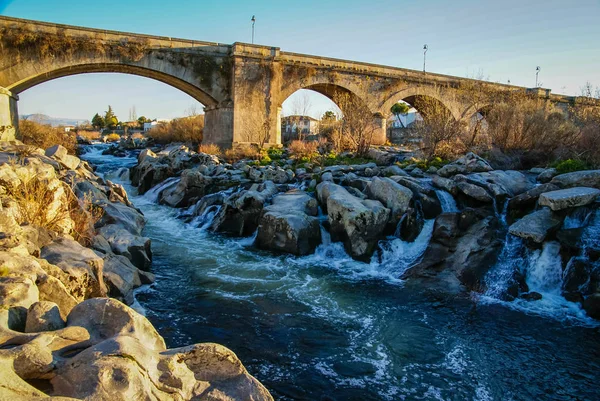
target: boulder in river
289 224
536 226
568 198
357 223
469 163
392 195
586 178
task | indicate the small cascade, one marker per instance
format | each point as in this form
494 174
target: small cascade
204 221
397 256
447 201
510 261
544 270
501 213
154 194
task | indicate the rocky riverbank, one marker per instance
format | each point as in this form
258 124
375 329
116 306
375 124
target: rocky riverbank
475 212
65 329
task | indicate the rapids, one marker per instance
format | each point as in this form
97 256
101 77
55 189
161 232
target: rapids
325 327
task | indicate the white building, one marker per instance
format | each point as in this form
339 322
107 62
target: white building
299 124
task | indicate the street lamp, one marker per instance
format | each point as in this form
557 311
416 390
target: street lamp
537 73
425 48
253 22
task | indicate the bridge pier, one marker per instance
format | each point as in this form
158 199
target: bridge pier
379 130
9 115
218 126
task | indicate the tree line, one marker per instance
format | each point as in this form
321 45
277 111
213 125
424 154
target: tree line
109 120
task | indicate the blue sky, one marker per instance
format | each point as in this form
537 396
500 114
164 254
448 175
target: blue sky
501 39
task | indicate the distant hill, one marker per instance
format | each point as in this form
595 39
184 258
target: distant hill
53 121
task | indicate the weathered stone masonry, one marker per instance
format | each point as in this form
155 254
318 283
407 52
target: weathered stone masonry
242 86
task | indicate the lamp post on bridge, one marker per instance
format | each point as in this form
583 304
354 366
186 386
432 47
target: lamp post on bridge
253 22
425 48
537 73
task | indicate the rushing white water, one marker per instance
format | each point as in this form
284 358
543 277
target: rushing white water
543 273
447 201
153 195
327 327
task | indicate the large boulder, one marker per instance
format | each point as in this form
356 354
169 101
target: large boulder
424 194
469 163
59 153
191 187
392 195
500 184
586 178
288 224
525 202
127 217
474 192
568 198
240 213
134 247
43 316
536 226
463 248
105 318
80 263
357 223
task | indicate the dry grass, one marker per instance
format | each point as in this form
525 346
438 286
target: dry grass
112 138
303 149
84 215
186 130
210 149
242 153
90 135
45 136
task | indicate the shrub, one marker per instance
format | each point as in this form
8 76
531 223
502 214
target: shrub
570 165
45 136
242 153
275 153
303 150
112 138
186 130
90 135
210 149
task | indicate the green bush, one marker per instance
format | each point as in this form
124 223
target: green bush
275 153
570 165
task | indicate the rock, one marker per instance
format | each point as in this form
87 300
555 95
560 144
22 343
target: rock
569 198
531 296
43 316
525 202
474 192
446 184
394 170
536 226
121 174
241 211
392 195
82 264
547 175
122 369
576 276
135 248
105 318
18 291
59 153
500 184
127 217
591 305
289 225
424 194
121 277
326 176
469 163
191 187
586 178
358 224
411 225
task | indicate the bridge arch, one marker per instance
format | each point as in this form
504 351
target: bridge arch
30 81
411 96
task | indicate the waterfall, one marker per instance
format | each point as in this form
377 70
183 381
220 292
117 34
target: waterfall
499 278
447 201
544 270
206 218
397 256
154 194
501 213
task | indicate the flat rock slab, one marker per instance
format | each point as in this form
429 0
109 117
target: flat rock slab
567 198
536 226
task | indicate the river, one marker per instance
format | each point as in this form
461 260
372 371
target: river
324 327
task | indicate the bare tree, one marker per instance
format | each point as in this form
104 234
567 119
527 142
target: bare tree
357 125
437 128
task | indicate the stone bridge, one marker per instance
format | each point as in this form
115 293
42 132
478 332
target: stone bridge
242 86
